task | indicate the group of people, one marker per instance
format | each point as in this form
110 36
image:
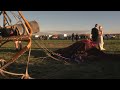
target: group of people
97 36
76 37
96 32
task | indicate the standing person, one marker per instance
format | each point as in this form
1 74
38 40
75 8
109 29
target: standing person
76 37
73 36
18 45
94 33
100 38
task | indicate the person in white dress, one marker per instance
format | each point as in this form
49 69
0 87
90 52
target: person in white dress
100 38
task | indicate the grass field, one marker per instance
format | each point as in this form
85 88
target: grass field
40 68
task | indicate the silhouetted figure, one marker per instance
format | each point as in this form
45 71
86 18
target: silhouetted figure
95 33
106 35
76 37
73 37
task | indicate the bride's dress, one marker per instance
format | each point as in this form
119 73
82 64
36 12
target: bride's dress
100 41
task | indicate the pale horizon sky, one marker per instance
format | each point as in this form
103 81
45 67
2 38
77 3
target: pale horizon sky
75 20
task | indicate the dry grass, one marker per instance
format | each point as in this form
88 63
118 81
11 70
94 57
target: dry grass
51 69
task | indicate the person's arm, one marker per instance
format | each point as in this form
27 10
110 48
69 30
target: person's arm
102 31
92 31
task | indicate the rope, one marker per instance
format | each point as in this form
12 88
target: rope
55 53
26 28
17 17
48 52
17 55
15 74
14 38
3 43
26 75
13 60
7 17
14 16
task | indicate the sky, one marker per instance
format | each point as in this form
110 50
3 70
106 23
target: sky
74 20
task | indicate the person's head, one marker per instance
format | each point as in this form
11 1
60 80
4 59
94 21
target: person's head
96 25
100 27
